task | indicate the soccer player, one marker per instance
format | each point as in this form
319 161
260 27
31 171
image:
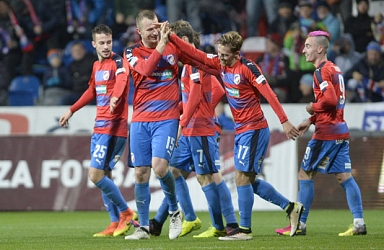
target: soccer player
108 84
197 149
328 150
244 82
155 118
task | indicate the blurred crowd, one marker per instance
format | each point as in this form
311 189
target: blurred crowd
51 39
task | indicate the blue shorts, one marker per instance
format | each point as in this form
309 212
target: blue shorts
327 157
151 139
106 151
196 153
250 150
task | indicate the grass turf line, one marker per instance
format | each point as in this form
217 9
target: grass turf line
74 230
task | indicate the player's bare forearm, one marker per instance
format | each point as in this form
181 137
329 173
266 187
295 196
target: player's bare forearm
291 131
303 127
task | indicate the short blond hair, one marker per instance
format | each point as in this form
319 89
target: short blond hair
148 14
231 39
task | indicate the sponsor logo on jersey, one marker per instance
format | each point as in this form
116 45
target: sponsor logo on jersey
236 79
233 92
163 75
171 59
101 89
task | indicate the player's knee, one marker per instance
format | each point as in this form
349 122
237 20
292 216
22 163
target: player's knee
95 175
175 171
341 177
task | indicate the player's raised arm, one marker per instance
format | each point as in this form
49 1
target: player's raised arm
199 57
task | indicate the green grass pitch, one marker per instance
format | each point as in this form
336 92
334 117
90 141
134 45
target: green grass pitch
74 230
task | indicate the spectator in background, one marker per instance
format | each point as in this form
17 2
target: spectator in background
274 65
360 26
43 29
125 13
4 84
293 45
215 17
306 20
378 28
83 15
332 23
345 54
10 52
284 19
342 7
254 10
187 10
80 70
365 81
56 80
306 88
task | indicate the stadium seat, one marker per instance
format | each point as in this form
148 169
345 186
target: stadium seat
20 98
24 87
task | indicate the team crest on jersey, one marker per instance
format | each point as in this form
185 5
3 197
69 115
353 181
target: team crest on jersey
236 79
106 75
171 59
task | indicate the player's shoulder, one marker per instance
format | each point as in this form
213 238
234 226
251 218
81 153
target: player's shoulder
328 68
116 60
247 64
134 48
116 56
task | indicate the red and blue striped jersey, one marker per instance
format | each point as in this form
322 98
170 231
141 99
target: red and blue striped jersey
243 82
109 78
156 83
198 112
329 106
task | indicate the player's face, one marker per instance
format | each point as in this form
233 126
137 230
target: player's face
226 56
150 34
310 49
103 45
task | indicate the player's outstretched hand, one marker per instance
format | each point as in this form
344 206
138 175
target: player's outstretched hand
303 127
291 131
112 104
65 118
